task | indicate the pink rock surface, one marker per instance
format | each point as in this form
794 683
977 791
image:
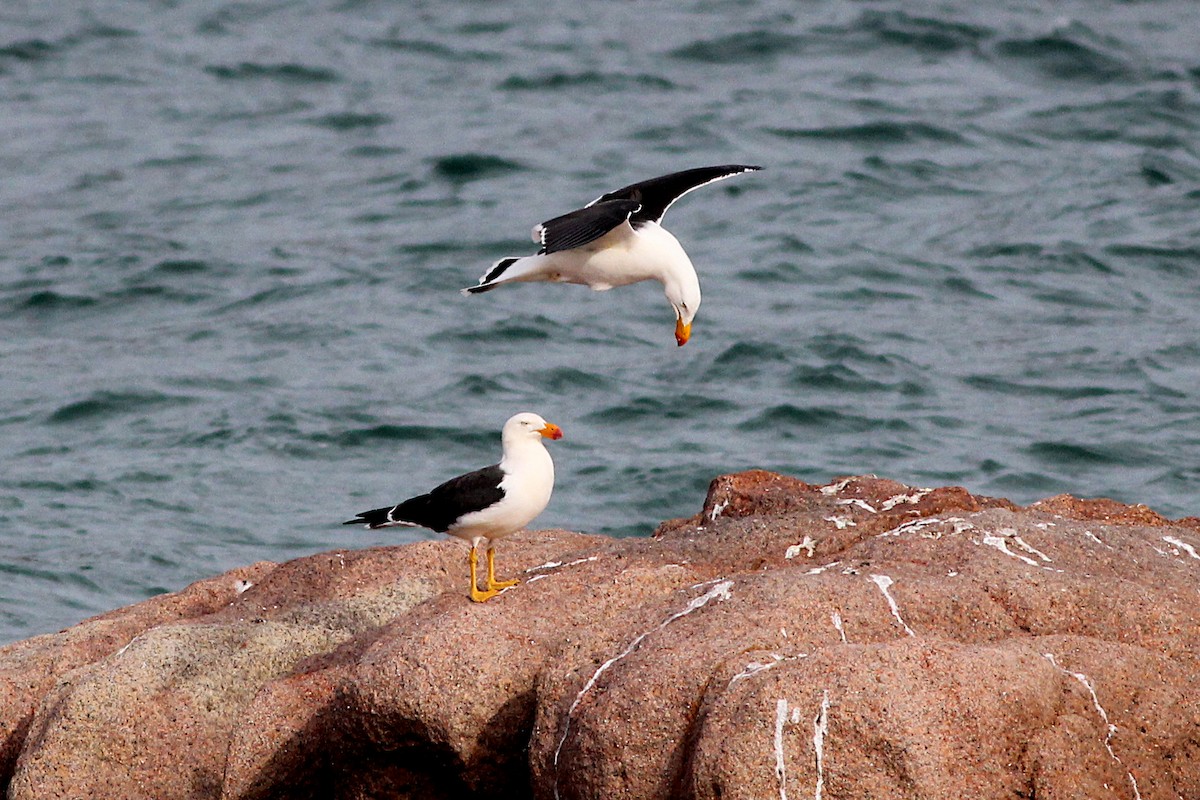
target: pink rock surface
863 639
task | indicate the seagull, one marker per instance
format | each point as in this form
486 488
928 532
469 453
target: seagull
486 504
615 240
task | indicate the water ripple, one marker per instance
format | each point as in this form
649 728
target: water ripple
465 167
350 120
876 133
1068 454
654 409
28 50
390 433
283 73
783 419
922 34
433 49
841 378
1009 387
750 46
1064 55
589 80
106 404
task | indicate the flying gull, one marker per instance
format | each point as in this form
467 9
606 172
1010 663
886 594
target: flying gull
616 239
486 504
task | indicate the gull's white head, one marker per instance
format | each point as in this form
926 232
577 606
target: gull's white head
667 262
683 293
527 425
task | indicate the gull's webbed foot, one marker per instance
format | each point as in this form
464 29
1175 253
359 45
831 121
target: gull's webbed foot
492 583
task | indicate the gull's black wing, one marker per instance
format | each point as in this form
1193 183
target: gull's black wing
657 194
445 505
585 225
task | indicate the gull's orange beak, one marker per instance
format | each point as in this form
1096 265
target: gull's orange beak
682 332
551 431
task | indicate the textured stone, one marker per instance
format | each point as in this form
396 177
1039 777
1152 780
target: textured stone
153 719
427 705
30 668
863 639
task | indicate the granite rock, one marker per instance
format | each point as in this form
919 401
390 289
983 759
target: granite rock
862 639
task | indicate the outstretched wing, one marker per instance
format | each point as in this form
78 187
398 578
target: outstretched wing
585 225
658 194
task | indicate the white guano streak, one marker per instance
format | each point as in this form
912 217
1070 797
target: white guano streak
809 544
836 619
1028 548
883 582
781 707
720 591
998 542
556 564
1109 727
755 667
1182 545
915 497
834 488
820 728
911 525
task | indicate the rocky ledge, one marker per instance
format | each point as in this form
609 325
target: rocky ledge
863 639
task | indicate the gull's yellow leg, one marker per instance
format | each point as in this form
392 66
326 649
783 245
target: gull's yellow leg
492 583
477 595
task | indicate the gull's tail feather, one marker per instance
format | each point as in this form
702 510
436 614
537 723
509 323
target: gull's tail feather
489 280
381 518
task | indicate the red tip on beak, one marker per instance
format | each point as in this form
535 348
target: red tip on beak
551 431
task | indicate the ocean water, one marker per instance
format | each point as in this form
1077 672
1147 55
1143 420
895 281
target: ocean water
233 234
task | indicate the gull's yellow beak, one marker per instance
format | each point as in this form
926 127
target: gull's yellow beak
551 431
682 332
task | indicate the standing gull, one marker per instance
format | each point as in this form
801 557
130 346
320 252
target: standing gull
616 239
486 504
